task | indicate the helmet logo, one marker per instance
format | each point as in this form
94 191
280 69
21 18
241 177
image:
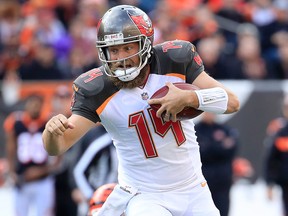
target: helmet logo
98 25
144 24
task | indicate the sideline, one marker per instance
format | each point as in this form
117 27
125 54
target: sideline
246 199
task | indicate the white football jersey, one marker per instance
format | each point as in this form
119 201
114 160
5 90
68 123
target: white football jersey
153 155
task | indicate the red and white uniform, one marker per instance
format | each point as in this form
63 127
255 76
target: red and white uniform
154 155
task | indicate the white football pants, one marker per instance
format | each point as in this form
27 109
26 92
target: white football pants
196 201
37 196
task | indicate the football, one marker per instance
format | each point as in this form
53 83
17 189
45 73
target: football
187 112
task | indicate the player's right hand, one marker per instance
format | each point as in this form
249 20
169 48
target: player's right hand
58 124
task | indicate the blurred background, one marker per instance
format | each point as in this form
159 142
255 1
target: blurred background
45 45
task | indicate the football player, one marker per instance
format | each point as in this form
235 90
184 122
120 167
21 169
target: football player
276 158
159 168
99 197
30 167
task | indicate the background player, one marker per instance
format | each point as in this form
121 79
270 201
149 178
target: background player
30 167
218 147
99 197
276 160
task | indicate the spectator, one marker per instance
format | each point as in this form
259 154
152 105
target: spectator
43 67
65 11
10 28
280 64
269 17
211 50
30 167
204 24
218 146
82 55
229 15
247 62
253 66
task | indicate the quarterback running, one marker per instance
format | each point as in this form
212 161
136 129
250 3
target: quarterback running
159 170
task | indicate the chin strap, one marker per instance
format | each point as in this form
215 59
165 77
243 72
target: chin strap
213 100
131 73
128 74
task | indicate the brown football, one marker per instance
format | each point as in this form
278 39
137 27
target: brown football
187 112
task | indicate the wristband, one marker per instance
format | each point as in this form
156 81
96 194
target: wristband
213 100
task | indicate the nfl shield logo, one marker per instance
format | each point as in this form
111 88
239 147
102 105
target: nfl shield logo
144 96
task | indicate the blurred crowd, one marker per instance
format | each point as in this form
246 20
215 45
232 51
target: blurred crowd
55 39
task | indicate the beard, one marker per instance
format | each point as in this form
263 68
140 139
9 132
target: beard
138 81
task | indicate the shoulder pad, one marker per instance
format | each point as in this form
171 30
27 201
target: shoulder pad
10 120
178 51
90 83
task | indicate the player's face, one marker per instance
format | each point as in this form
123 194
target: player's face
126 54
34 107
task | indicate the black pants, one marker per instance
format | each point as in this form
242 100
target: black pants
284 188
221 197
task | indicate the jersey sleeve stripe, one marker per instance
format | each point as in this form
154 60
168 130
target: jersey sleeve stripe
181 76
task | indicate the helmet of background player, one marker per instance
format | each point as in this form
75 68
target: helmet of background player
121 25
99 197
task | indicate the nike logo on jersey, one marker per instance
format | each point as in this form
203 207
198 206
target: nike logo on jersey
76 88
203 184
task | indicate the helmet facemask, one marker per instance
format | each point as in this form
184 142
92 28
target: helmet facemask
125 73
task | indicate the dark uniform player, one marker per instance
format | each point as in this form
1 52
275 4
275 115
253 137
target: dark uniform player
99 197
29 164
276 164
218 145
276 160
158 157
